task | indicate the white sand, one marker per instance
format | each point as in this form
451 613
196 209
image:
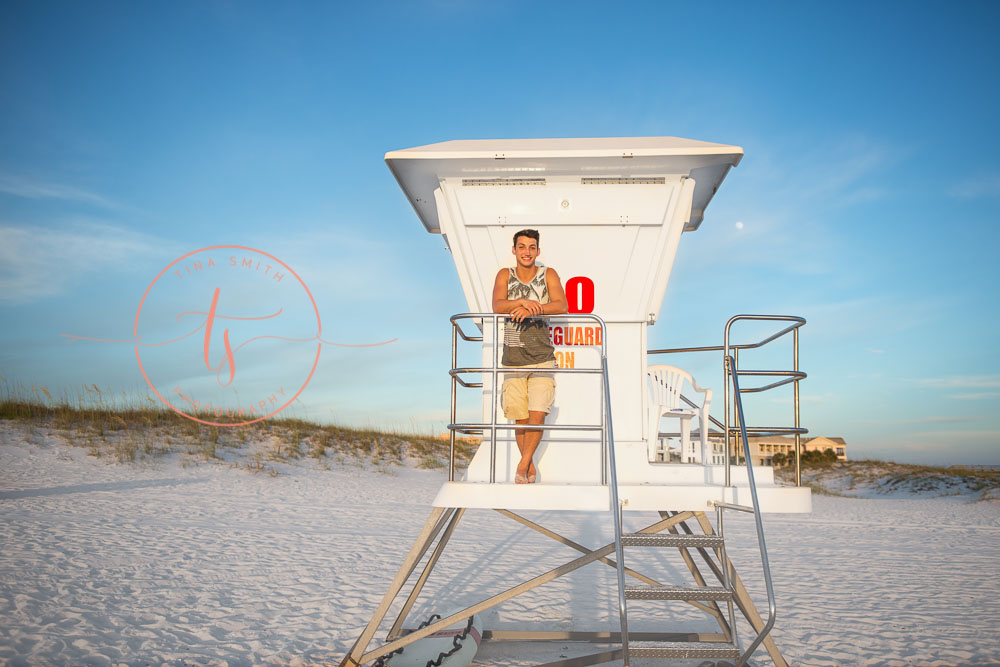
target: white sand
162 563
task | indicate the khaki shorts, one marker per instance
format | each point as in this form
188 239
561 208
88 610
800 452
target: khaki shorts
524 392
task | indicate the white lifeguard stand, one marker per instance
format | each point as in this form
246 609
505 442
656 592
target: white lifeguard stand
611 213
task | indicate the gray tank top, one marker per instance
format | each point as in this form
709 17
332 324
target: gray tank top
527 342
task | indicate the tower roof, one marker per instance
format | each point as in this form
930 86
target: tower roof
419 170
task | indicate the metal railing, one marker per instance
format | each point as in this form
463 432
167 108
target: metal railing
495 370
609 469
616 511
787 377
793 376
771 604
608 460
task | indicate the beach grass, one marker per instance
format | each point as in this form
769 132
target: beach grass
132 427
888 478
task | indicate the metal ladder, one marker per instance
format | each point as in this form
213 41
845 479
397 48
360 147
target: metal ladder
716 541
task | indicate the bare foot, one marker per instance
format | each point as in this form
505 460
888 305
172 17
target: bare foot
525 475
528 475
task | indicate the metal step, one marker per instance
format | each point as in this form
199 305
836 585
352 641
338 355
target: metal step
677 593
683 650
671 540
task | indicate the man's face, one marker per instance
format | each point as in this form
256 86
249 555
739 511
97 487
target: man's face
526 250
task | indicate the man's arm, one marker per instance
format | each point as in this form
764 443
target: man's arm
517 308
557 297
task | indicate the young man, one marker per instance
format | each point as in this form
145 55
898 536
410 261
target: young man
526 290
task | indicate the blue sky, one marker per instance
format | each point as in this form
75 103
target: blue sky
133 133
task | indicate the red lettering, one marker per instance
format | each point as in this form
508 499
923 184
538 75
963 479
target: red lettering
557 335
580 294
588 336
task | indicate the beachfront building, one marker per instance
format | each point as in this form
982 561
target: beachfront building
763 449
821 444
670 450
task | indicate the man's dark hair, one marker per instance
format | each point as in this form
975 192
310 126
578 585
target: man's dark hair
530 233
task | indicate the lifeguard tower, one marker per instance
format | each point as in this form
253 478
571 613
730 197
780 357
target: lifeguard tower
611 213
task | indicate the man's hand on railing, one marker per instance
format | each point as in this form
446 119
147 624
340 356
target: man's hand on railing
525 308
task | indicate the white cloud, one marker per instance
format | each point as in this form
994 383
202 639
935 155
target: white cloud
985 186
937 447
864 195
30 189
836 172
975 396
961 382
807 398
787 198
40 262
869 316
959 435
344 265
956 419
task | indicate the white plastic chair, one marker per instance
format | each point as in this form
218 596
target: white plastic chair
666 383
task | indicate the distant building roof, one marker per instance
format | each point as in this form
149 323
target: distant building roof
839 441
